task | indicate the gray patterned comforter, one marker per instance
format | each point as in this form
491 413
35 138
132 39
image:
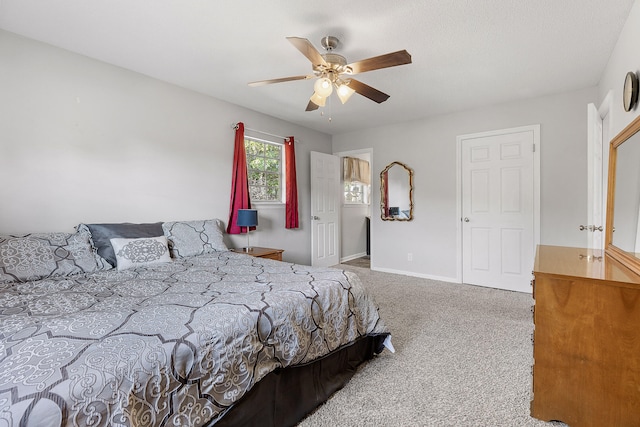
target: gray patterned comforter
176 344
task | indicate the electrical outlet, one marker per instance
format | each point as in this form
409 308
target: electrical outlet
409 256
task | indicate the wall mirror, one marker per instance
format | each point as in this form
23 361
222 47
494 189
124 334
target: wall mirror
396 192
623 203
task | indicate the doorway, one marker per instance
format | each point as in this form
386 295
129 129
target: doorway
355 210
499 207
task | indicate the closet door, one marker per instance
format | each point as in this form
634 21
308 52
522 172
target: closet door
498 208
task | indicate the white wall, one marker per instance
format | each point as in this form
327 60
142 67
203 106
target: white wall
624 58
429 147
84 141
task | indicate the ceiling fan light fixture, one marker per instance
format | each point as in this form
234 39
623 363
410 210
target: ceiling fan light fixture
344 92
318 100
323 87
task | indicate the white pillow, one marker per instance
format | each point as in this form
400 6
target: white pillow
140 252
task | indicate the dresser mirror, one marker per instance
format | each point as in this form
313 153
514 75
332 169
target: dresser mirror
623 204
396 192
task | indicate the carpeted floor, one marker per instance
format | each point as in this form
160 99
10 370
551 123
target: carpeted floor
364 262
463 358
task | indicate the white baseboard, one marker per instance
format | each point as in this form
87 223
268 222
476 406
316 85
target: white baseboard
350 257
414 274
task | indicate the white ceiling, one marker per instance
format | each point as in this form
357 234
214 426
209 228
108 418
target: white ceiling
466 53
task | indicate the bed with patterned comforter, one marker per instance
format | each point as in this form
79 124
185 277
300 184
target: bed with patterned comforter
174 344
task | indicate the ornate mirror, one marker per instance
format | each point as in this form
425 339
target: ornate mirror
396 192
623 203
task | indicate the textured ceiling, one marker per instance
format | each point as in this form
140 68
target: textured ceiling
466 54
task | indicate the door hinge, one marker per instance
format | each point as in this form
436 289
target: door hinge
534 148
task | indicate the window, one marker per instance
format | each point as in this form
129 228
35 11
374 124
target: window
264 170
356 177
356 193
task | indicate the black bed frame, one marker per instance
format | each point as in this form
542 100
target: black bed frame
285 396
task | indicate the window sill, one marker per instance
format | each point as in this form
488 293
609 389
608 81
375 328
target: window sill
268 205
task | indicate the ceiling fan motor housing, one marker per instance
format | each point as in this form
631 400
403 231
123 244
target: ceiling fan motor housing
336 64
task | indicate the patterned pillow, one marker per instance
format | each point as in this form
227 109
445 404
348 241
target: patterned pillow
101 235
189 238
37 256
141 252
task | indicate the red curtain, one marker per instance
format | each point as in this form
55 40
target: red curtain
239 183
291 214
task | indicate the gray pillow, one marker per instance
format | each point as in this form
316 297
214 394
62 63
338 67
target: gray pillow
101 234
38 256
189 238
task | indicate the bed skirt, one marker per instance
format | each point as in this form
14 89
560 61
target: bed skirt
285 396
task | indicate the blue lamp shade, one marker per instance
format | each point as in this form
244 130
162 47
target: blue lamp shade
247 218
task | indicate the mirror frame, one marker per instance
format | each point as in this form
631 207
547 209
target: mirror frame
628 259
383 185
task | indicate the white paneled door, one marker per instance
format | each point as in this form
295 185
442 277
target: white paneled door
499 208
325 209
597 172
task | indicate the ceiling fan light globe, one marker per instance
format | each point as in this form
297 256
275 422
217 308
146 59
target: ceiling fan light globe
323 87
344 93
318 100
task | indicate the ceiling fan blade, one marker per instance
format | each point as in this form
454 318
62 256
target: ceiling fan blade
308 50
367 91
283 79
393 59
312 106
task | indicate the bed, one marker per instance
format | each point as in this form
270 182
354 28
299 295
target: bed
204 337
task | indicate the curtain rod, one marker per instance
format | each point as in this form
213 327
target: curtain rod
235 126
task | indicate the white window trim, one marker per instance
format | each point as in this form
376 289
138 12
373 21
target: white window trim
283 181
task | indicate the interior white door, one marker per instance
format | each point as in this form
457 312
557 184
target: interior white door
597 167
498 203
325 215
594 180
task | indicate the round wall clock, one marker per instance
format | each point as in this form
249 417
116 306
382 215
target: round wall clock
630 91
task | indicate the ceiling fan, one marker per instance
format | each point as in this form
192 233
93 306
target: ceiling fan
333 71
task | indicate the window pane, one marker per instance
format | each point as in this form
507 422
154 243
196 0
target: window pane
257 178
273 180
251 147
254 193
256 163
272 165
273 151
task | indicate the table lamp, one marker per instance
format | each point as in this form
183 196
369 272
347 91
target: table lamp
247 218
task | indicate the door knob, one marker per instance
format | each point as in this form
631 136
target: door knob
315 217
466 219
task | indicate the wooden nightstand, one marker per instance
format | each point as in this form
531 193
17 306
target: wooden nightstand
261 252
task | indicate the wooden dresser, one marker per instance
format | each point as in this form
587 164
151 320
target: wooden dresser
255 251
586 342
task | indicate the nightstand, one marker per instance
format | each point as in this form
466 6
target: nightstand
261 252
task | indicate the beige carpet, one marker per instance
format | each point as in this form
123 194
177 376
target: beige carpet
463 358
363 262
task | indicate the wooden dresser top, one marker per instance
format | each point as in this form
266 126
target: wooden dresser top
581 262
